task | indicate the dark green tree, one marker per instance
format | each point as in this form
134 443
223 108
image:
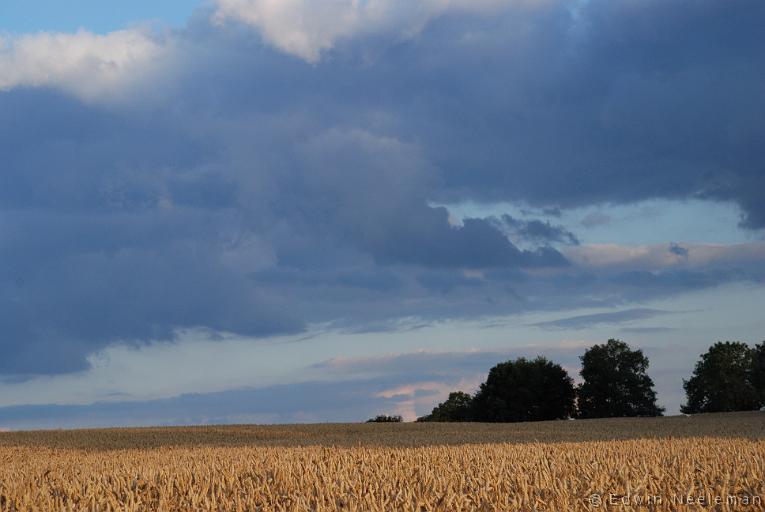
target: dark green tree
758 372
525 390
724 379
615 383
458 407
385 419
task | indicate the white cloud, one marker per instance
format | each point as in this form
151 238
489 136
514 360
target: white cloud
306 28
88 65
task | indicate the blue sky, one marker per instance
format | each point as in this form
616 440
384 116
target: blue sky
318 211
96 15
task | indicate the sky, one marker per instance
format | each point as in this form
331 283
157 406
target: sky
23 16
237 211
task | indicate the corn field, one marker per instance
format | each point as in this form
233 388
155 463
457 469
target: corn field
712 462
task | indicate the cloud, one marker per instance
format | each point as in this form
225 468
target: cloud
746 256
647 330
538 231
262 195
595 219
461 364
678 250
413 363
306 28
90 66
591 101
377 186
411 389
617 317
418 398
349 401
344 399
476 244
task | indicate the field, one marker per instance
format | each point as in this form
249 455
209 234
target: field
706 462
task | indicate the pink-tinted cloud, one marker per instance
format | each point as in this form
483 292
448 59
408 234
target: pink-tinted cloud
665 256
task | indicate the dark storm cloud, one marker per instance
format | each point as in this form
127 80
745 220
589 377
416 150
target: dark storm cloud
429 240
445 281
561 106
254 193
90 254
537 230
615 101
622 102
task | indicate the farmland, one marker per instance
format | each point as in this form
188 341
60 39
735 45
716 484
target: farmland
677 463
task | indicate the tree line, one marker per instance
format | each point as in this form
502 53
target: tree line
730 376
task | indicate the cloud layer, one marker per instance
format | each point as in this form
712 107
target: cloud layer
90 66
209 179
306 28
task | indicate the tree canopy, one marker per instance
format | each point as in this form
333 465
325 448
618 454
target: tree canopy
615 383
458 407
525 390
730 376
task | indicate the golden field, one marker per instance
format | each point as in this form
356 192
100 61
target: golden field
706 462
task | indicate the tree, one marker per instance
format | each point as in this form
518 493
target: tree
525 390
725 379
758 372
615 383
385 419
458 407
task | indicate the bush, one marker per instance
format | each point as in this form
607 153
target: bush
386 419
